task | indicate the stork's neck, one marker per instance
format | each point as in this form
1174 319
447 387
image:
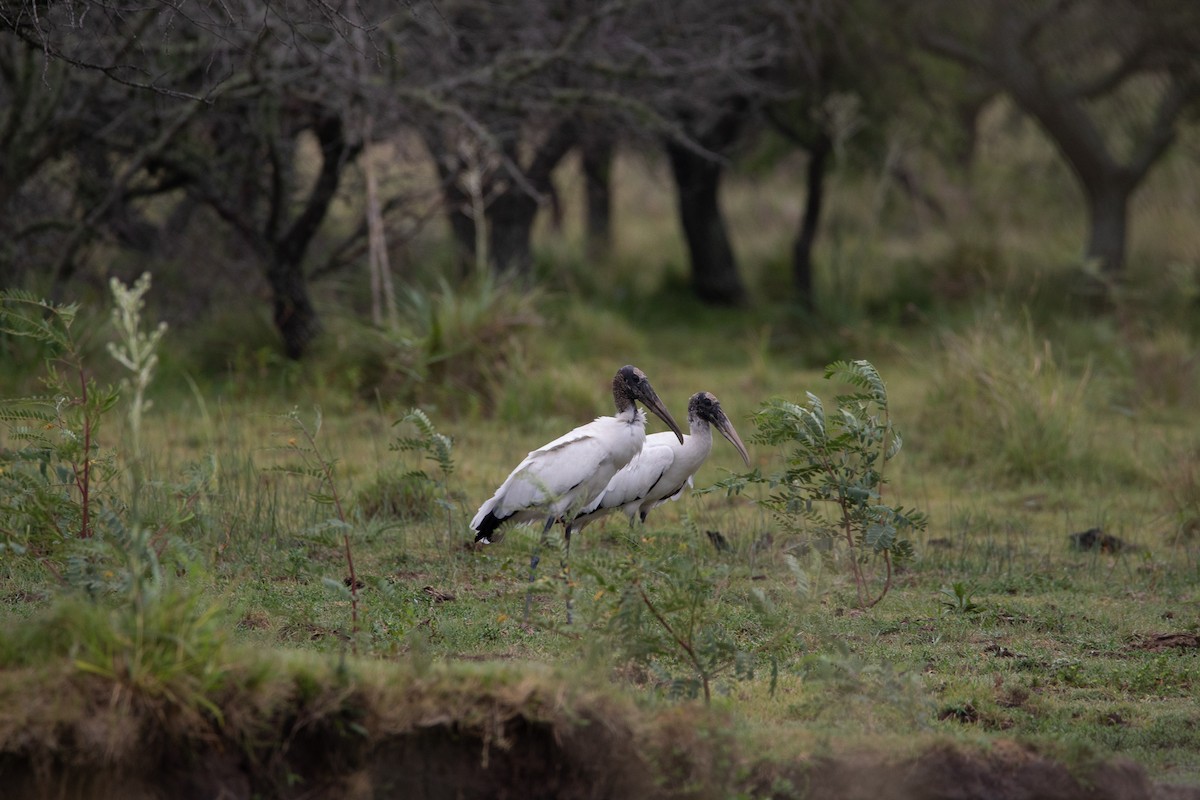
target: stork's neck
624 403
700 431
630 413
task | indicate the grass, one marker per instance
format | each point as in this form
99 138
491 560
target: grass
1021 429
1054 651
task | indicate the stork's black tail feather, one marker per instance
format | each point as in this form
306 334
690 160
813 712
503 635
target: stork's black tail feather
487 526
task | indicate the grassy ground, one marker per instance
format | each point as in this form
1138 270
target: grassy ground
1022 428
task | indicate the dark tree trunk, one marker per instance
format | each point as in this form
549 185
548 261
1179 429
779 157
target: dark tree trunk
802 263
295 316
597 160
1108 206
456 203
511 213
510 230
714 270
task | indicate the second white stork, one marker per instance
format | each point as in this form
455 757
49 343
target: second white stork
560 478
664 467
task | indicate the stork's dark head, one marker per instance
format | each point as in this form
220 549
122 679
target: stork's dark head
705 406
630 384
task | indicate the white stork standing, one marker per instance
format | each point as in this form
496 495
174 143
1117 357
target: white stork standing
556 481
664 467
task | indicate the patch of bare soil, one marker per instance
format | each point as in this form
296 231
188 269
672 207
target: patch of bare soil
1167 641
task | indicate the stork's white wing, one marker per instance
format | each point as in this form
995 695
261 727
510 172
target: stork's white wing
567 471
671 498
635 480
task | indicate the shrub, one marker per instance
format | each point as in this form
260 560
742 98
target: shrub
468 336
837 460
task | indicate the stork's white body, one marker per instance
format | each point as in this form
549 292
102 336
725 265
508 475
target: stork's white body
560 478
656 475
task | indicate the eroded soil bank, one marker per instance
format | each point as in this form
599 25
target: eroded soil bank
475 734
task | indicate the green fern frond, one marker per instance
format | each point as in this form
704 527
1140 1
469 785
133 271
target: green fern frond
862 374
27 315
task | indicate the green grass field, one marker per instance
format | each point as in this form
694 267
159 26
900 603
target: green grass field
1026 420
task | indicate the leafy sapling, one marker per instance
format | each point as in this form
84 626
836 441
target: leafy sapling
836 461
49 482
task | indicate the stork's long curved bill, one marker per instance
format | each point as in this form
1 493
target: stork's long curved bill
650 398
726 429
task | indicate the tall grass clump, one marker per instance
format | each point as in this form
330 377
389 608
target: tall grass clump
1164 369
1001 399
1178 482
467 336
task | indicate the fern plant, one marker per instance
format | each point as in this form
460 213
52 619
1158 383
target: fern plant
838 459
431 445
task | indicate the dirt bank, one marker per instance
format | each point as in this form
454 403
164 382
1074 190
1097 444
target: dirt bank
477 734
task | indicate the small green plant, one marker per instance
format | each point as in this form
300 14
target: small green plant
49 483
664 613
430 445
838 460
133 622
957 599
311 462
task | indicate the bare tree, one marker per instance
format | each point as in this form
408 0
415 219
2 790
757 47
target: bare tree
1109 82
566 73
224 104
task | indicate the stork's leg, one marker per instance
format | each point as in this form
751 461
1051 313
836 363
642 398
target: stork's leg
533 562
566 572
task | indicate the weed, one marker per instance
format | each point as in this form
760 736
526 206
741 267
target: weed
664 613
431 445
957 599
311 462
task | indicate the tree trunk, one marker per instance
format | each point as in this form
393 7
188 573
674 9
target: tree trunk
511 214
597 160
802 265
455 204
295 317
510 227
714 271
1108 216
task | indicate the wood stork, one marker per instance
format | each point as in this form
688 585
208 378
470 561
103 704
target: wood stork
664 467
558 479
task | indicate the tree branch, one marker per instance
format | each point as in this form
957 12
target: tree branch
1162 130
